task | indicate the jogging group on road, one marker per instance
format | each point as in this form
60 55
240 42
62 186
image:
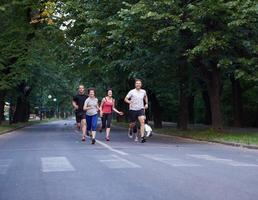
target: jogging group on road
87 111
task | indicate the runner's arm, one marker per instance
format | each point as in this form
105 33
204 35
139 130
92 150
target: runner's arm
86 107
127 100
98 106
74 105
128 96
146 101
114 108
101 105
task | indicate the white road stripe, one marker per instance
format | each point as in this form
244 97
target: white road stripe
116 162
222 160
109 147
174 162
4 165
56 164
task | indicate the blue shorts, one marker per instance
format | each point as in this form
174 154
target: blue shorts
92 122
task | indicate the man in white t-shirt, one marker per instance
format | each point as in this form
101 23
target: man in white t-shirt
136 99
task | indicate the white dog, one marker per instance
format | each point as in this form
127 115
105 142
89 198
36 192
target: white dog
147 130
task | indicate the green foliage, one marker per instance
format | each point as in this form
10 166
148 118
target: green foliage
109 43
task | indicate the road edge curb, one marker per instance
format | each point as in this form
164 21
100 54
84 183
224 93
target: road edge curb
254 147
18 128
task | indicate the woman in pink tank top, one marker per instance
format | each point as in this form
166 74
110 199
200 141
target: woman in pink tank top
107 106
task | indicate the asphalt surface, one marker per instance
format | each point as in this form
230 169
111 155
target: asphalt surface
49 162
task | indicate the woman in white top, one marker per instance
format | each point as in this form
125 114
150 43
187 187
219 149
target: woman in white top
91 107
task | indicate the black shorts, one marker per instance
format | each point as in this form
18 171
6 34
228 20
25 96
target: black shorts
134 114
106 120
80 116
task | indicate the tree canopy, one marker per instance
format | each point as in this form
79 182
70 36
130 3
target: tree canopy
197 59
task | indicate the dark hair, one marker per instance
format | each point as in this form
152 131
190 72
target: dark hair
137 79
92 89
108 89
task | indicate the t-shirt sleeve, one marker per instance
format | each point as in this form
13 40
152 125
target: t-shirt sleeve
129 95
145 93
85 102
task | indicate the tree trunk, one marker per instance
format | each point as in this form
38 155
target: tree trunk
156 111
256 118
191 109
183 98
207 105
183 114
183 109
2 104
214 88
22 110
237 102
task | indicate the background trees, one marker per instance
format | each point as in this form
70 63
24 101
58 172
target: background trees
197 58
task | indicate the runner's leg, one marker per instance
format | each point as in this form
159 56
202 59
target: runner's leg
78 121
132 120
88 120
108 120
94 121
142 122
103 120
83 126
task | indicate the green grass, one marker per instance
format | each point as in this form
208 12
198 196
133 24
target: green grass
250 138
8 127
246 138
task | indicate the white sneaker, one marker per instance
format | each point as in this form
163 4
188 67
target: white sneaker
130 134
136 139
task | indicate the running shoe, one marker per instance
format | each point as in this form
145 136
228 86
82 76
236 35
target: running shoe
83 139
136 139
143 140
130 134
93 141
107 139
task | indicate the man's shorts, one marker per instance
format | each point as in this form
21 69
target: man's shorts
80 116
134 114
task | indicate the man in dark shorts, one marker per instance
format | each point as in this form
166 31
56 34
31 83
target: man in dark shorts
136 99
78 103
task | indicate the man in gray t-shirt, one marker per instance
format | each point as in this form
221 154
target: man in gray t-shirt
136 98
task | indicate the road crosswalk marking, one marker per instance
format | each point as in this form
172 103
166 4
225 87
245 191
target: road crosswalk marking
4 165
174 162
222 160
56 164
116 162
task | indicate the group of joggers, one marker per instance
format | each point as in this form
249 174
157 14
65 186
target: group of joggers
87 108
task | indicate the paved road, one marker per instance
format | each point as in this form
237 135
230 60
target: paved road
49 162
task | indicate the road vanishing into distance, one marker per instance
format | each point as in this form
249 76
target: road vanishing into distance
49 162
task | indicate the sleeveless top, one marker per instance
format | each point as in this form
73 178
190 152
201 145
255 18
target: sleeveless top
107 106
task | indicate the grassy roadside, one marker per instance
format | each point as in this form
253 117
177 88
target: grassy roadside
244 138
4 127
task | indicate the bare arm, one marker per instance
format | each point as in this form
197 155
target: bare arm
86 107
127 100
98 106
146 101
74 105
114 108
101 105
